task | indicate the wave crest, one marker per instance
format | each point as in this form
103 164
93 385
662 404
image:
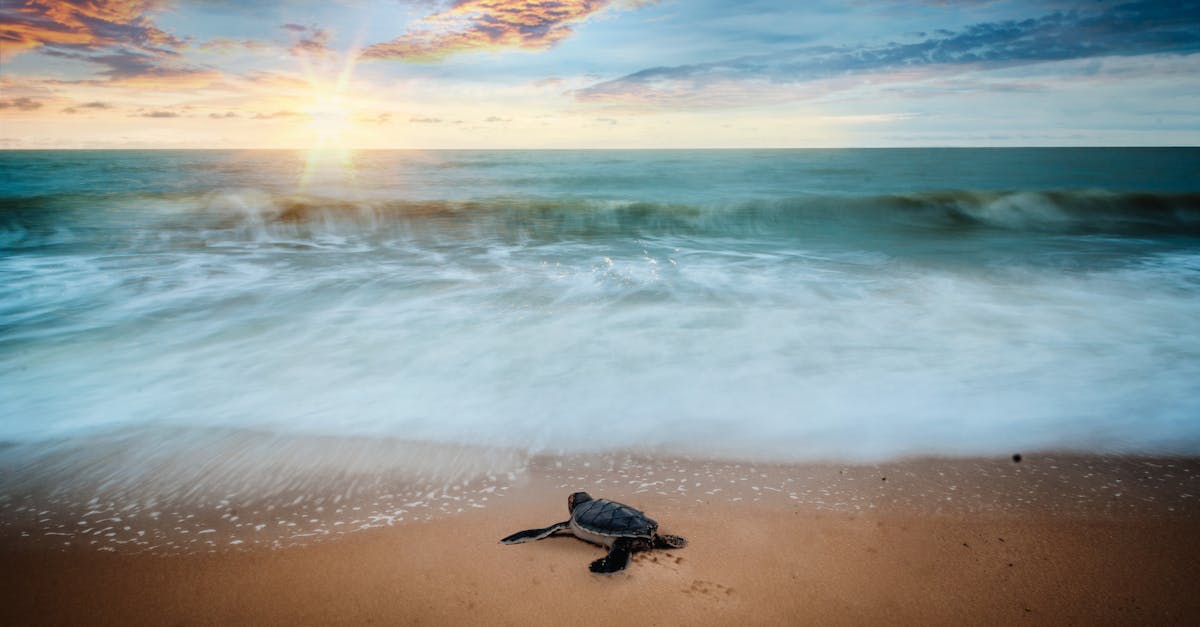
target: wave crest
1045 211
256 215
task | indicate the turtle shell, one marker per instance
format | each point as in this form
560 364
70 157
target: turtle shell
609 518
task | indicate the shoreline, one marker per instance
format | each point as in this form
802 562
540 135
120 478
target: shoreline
1043 540
218 495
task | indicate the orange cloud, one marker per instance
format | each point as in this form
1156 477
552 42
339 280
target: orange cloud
85 24
483 24
117 35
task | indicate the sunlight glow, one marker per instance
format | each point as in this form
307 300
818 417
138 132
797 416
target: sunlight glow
331 114
330 119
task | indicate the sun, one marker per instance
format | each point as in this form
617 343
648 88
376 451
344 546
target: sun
331 116
331 129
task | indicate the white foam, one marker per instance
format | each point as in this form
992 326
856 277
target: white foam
772 355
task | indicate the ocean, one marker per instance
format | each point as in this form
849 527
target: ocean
207 350
769 304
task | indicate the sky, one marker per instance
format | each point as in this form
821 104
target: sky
423 74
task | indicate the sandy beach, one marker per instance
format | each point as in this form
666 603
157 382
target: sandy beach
977 541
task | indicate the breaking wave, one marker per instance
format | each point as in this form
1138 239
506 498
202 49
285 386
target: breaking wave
249 214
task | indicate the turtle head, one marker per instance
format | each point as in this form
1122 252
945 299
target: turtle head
577 499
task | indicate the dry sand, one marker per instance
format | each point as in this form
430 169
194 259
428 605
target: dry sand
753 559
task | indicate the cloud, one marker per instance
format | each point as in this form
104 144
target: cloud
89 24
222 116
276 115
141 69
228 44
1135 28
159 114
877 118
21 104
87 105
316 42
118 35
425 120
489 24
276 81
121 64
295 28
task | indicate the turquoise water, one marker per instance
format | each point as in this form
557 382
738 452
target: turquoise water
785 305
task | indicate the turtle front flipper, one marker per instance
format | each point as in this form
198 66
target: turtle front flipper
529 535
616 560
667 541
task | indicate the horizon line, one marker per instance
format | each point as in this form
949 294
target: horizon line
618 148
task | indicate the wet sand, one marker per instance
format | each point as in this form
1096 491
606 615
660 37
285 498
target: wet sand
969 542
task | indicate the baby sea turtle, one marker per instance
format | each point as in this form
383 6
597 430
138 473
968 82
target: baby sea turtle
621 528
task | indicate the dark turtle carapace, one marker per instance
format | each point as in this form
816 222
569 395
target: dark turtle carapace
621 528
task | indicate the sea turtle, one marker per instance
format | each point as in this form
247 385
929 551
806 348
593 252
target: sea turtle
619 527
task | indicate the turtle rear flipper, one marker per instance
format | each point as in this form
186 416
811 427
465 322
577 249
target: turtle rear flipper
529 535
616 560
667 541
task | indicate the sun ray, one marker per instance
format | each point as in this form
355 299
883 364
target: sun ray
331 113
